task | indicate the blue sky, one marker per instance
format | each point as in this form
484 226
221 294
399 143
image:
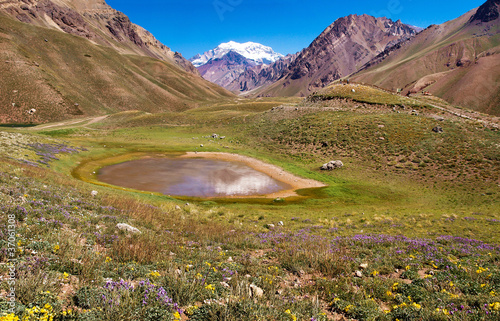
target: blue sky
195 26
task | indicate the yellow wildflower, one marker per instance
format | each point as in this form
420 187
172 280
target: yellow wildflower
347 308
154 274
292 316
9 317
108 259
481 270
494 306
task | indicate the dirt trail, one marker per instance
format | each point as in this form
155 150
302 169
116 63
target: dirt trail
83 122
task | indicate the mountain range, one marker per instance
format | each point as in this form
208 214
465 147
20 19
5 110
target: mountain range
228 61
342 48
457 60
68 58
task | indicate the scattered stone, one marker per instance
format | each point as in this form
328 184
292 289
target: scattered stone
45 40
224 284
330 166
31 111
381 138
381 126
438 129
230 259
353 90
128 228
201 145
187 204
172 254
438 118
280 223
36 64
222 137
215 136
177 207
359 274
248 276
363 266
178 272
94 193
414 112
270 226
255 291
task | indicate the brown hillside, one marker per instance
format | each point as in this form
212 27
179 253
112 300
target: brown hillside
345 46
96 21
62 76
457 61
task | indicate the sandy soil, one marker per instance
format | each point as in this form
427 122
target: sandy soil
274 171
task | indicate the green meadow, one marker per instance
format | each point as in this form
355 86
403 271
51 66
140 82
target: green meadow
408 229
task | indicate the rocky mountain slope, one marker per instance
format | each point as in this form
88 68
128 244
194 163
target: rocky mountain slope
458 61
96 21
222 71
260 76
230 60
59 75
341 49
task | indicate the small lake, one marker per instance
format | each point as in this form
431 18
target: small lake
192 177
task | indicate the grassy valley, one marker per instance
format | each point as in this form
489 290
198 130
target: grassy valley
407 229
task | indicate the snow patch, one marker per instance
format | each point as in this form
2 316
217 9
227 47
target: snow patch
254 51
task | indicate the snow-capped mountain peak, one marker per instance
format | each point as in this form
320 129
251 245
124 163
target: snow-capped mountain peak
260 54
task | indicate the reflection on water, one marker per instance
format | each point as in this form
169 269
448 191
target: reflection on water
191 177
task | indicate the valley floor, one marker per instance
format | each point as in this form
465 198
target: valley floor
408 229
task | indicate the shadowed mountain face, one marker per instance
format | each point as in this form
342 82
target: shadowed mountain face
489 11
96 21
341 49
222 71
458 61
62 72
